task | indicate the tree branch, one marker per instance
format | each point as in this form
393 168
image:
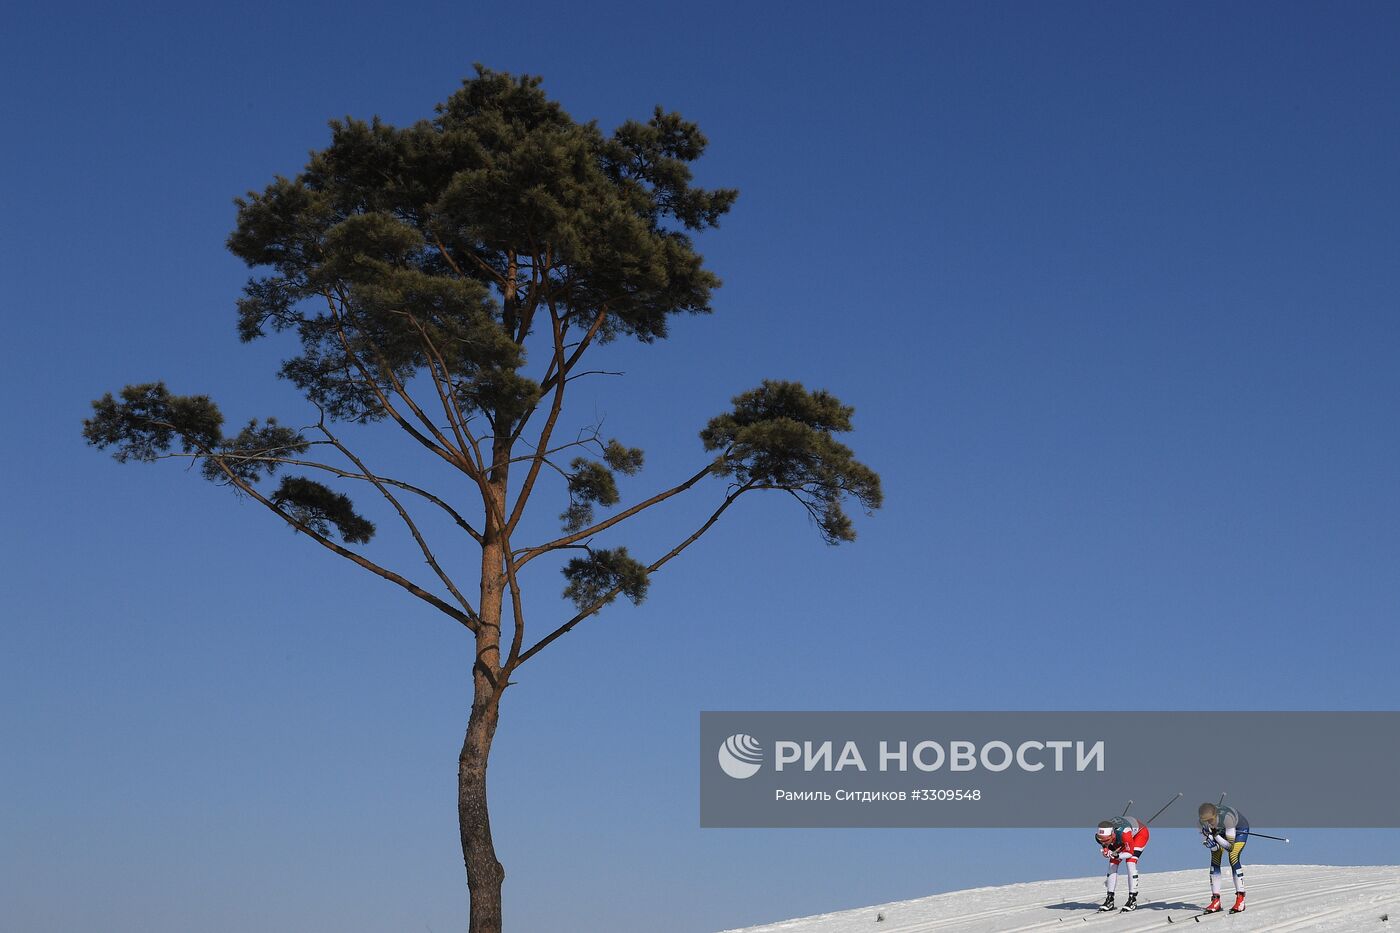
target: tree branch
264 457
407 520
467 619
593 442
578 350
458 269
457 420
399 419
450 409
460 460
561 368
517 613
531 553
611 594
595 372
555 407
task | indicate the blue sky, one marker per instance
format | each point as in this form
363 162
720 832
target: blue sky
1112 288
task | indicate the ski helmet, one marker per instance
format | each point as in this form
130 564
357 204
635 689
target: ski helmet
1104 833
1207 814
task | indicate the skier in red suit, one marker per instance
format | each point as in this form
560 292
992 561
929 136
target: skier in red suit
1122 840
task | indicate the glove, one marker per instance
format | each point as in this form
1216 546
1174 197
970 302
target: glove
1211 844
1107 852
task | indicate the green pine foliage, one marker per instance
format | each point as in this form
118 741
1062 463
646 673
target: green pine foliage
625 460
438 251
597 579
148 422
780 436
414 234
318 507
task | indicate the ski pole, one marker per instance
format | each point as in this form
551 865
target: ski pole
1125 809
1163 810
1252 834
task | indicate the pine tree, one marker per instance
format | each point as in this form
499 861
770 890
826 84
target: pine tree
419 270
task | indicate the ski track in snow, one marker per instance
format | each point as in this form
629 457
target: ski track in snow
1282 899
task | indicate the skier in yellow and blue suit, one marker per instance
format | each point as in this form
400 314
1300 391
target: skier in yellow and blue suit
1226 831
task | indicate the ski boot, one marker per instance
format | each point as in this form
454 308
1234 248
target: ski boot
1131 902
1214 906
1239 904
1107 903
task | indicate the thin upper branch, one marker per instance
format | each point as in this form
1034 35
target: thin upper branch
428 554
442 451
612 594
458 269
556 405
559 367
595 372
265 456
458 457
583 344
531 553
450 409
517 609
593 442
467 619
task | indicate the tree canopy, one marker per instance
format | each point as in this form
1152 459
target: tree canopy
436 252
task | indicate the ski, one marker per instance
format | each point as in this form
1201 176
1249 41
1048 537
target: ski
1197 917
1095 913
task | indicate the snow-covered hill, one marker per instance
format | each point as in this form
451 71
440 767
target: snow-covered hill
1281 898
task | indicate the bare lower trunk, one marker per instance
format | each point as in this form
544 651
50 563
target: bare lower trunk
484 872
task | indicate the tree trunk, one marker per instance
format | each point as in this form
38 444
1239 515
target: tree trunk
484 873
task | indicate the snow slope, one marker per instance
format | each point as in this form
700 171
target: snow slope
1281 898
